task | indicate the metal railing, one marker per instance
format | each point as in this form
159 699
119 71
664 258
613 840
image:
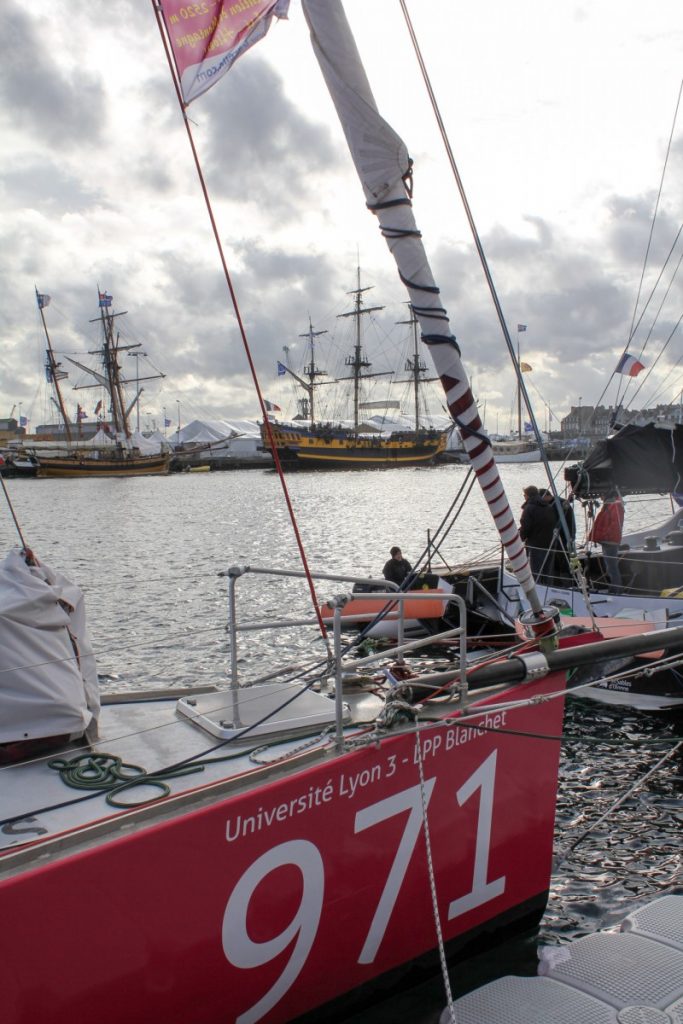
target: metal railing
389 597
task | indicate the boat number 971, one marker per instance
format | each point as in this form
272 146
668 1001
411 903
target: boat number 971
243 952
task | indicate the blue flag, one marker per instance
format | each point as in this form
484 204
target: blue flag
281 370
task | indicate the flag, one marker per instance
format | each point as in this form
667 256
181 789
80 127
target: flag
521 328
81 414
629 366
218 33
42 300
105 300
97 408
525 367
167 423
527 428
281 370
271 407
23 421
52 376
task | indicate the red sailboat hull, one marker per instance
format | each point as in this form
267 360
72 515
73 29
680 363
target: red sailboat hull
268 904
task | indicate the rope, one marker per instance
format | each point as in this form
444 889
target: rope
160 17
432 883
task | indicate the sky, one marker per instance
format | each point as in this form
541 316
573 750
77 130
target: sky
559 117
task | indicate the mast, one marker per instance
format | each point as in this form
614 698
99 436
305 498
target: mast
357 360
519 396
311 371
54 374
415 366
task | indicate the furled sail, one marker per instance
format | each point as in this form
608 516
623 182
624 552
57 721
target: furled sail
383 166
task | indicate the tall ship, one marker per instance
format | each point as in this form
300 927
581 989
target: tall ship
115 451
314 444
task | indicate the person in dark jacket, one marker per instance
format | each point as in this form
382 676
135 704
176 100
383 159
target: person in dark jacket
536 528
561 546
397 568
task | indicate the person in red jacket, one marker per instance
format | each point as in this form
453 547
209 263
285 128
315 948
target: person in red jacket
606 531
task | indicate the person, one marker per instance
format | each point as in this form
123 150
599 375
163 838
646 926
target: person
606 531
397 568
561 545
536 528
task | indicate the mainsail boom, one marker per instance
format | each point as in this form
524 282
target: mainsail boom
382 163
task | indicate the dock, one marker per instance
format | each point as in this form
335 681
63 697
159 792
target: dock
630 976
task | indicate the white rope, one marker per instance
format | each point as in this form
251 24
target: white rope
432 884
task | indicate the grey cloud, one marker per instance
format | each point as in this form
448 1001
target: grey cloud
56 106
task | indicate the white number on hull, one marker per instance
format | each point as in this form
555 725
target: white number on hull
482 891
408 800
242 951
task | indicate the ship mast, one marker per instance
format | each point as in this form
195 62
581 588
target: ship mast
311 371
357 360
113 373
415 366
54 373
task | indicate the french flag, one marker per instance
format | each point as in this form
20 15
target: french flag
629 366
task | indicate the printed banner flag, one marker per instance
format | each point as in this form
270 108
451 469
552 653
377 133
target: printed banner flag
525 367
206 39
43 300
167 423
23 421
271 407
105 300
281 370
81 414
629 366
97 408
521 328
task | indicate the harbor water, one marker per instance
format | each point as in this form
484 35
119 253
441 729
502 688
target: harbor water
148 554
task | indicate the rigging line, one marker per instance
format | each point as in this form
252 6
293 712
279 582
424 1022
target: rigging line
644 310
617 803
659 356
13 513
654 215
475 233
161 23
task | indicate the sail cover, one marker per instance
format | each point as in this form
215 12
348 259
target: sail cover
48 682
636 460
383 166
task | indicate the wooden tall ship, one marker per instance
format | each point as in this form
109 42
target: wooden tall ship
312 444
120 456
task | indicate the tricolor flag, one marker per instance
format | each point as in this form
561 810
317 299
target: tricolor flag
97 408
271 407
521 328
525 367
281 369
42 300
81 414
218 33
629 366
105 300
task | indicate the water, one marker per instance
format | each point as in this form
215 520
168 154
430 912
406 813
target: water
147 553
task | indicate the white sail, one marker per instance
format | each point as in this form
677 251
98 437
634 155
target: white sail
382 163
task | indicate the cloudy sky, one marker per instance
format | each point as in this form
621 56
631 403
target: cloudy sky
559 117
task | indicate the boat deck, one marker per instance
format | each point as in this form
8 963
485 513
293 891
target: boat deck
156 733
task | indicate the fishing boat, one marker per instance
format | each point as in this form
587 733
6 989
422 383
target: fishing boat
116 452
324 445
293 840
